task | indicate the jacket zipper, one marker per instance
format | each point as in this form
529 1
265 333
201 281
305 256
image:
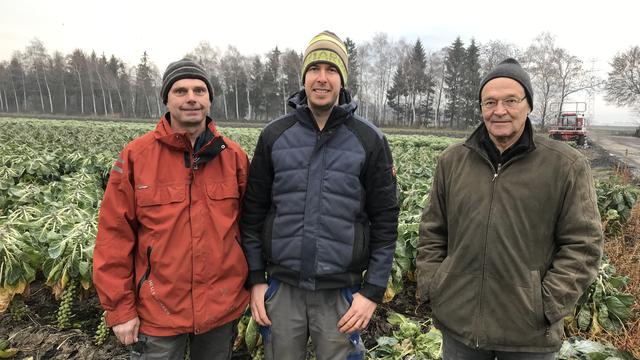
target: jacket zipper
503 166
146 273
484 258
192 175
195 156
495 175
319 147
195 162
496 172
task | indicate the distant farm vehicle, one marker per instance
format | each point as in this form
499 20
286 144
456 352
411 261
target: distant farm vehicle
570 123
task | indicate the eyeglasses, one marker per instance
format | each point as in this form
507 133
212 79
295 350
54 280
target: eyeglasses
508 103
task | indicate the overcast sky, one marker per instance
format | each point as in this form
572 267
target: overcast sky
169 29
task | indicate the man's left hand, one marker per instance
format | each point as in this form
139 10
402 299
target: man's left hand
358 316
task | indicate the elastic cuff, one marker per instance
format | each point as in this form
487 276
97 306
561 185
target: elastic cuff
255 277
373 292
115 318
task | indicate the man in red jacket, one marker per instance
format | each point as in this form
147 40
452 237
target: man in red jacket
168 265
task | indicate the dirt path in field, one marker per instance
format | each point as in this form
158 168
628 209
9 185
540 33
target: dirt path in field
624 149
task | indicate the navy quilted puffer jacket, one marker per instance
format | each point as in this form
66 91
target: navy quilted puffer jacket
321 206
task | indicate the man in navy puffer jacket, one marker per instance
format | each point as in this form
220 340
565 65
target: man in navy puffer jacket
320 209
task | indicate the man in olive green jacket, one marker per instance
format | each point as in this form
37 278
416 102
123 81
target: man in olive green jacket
511 236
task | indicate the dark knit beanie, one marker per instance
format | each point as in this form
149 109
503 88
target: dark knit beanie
510 68
327 47
184 69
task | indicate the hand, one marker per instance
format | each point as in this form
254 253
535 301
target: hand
358 316
258 311
127 332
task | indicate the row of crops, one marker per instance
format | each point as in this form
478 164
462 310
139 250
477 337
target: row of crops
53 175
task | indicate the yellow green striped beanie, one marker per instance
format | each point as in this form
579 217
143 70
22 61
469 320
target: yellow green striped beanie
327 47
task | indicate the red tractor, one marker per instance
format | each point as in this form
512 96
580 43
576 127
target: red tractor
570 125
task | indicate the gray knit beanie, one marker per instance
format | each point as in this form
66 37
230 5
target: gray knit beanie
184 69
510 68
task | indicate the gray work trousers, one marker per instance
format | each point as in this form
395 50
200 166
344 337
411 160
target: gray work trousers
298 314
452 349
216 344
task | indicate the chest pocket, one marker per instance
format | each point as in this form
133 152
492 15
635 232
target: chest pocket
159 195
224 200
223 190
158 206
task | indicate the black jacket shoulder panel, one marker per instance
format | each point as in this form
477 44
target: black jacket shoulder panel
275 128
369 135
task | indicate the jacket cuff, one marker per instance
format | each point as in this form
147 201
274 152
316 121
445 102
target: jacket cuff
114 318
255 277
422 290
373 292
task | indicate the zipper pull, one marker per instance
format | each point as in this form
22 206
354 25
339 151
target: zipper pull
195 162
496 173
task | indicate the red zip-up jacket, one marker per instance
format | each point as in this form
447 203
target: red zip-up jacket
168 248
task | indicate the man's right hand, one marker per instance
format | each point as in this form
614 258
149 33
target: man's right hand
258 311
127 332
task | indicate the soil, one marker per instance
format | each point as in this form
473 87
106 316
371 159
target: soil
403 303
36 336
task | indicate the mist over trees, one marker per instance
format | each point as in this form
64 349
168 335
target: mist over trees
396 83
623 83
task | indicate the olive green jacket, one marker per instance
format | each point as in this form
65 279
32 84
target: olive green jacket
504 254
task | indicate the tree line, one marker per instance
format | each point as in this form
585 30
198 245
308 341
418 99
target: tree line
396 83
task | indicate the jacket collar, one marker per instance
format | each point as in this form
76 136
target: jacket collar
479 141
339 114
212 142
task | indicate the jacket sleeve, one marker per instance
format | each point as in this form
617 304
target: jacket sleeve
578 238
113 257
432 244
256 205
382 209
242 172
